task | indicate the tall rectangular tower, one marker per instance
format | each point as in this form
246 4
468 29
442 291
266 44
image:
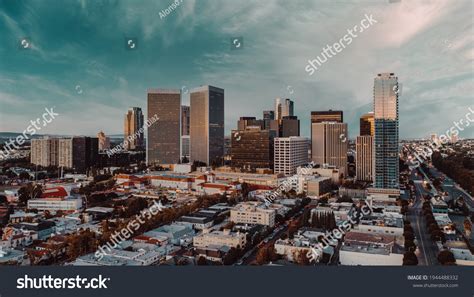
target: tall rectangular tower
386 168
164 136
207 125
132 124
329 144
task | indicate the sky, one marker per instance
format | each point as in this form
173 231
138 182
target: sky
77 61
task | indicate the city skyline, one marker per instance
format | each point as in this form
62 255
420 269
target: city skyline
98 67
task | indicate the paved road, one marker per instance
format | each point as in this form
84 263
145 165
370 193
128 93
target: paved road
428 250
251 255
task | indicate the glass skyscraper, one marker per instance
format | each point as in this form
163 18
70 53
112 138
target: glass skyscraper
386 168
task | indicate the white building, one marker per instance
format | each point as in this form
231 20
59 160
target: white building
289 154
252 212
220 238
324 170
370 249
55 204
384 225
172 181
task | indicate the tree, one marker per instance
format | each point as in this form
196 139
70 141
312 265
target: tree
409 235
409 245
245 188
263 255
302 258
231 256
24 175
29 191
446 257
409 258
201 261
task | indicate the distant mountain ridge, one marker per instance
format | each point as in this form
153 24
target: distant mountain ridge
4 136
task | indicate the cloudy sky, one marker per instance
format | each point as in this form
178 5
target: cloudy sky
77 60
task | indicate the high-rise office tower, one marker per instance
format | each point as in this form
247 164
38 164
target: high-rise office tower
185 119
44 152
207 125
283 108
185 127
252 148
79 153
290 152
367 124
185 139
245 122
289 126
132 124
164 136
327 116
364 157
321 116
277 108
104 141
268 116
386 171
287 109
329 144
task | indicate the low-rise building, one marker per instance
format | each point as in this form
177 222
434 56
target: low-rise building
252 212
12 256
172 181
177 234
117 257
314 186
384 225
197 221
220 238
55 204
370 249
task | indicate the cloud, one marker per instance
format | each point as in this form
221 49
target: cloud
428 44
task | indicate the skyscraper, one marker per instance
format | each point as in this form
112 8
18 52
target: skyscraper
290 152
245 122
79 153
132 124
164 136
364 157
367 124
386 171
252 148
44 152
327 116
268 116
185 127
104 141
185 119
283 109
207 125
289 126
329 144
